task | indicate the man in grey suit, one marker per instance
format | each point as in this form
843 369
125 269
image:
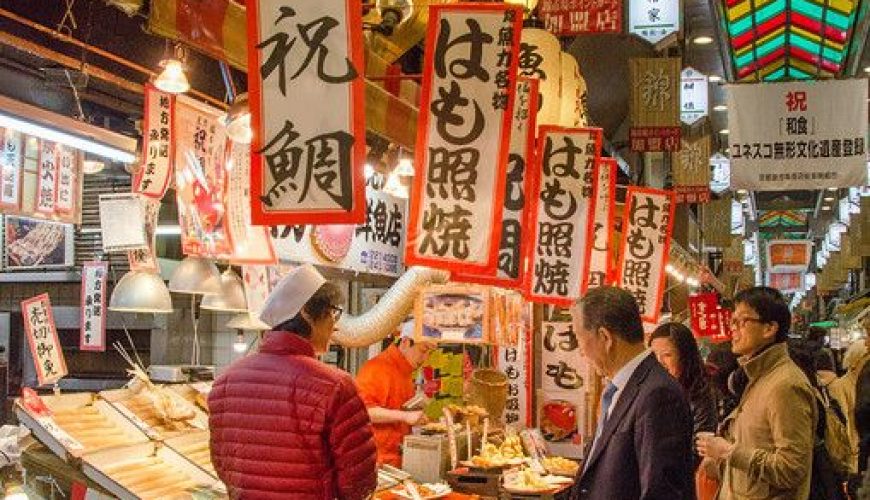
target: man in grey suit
642 448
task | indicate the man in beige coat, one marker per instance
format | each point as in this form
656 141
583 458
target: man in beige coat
766 446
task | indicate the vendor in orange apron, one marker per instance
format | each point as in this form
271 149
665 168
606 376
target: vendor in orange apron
385 383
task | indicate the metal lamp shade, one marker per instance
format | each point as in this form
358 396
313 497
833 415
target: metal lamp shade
141 292
232 295
246 321
196 275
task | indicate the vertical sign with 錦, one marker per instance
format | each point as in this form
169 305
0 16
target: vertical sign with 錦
11 167
691 170
42 338
560 219
654 104
305 74
153 177
463 137
646 235
46 182
603 215
93 329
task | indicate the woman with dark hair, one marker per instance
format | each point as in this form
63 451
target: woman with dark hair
676 349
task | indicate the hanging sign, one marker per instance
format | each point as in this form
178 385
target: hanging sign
573 88
691 170
46 185
516 363
145 259
157 133
653 20
647 225
704 314
579 17
66 179
307 112
654 104
469 82
42 338
560 213
786 282
251 244
122 222
93 320
598 254
510 270
540 57
789 255
798 135
693 96
721 175
11 166
257 287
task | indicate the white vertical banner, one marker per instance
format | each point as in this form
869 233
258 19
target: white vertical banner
251 244
46 184
93 319
516 363
145 259
41 333
694 99
603 217
11 168
257 287
67 171
153 177
653 20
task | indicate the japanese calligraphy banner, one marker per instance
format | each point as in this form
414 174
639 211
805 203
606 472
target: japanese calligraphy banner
42 337
46 190
691 170
152 179
307 112
578 17
469 82
541 57
11 167
798 135
516 363
598 253
648 221
251 244
560 210
573 93
93 320
654 104
145 259
511 270
789 255
704 314
66 179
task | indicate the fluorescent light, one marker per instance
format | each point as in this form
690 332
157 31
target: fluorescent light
742 191
724 131
173 230
829 198
867 69
702 40
826 207
714 78
72 141
832 189
720 107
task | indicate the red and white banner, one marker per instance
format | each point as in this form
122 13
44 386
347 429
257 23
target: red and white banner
560 211
307 112
251 244
93 328
42 337
11 167
516 363
511 269
157 132
469 82
704 313
46 178
598 252
647 224
578 17
786 282
67 159
145 259
789 255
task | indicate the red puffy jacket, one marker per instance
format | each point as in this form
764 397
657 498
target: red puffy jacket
284 425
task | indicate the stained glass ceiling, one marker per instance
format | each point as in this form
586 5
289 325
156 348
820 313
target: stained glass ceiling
773 40
782 218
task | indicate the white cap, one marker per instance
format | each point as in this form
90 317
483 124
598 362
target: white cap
406 329
291 294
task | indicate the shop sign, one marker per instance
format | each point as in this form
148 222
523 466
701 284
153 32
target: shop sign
693 96
145 259
93 319
152 179
789 255
786 282
516 363
573 89
11 166
201 179
579 17
599 253
42 338
251 244
717 223
654 104
122 222
647 226
307 112
455 314
721 176
798 135
691 170
469 82
540 57
510 269
653 20
561 225
46 183
704 314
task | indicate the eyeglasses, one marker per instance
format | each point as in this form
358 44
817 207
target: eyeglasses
336 312
741 322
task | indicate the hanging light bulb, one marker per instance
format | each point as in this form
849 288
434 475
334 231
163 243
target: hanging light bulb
172 79
405 168
240 346
238 120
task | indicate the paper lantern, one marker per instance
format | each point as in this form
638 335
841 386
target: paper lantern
571 88
540 57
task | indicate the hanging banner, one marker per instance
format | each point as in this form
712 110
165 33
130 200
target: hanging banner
540 57
798 135
516 363
42 337
11 166
598 254
704 314
654 104
721 176
152 179
510 271
786 282
469 82
648 222
145 259
789 255
717 223
201 179
251 244
257 287
653 20
307 113
580 17
560 213
691 170
694 99
66 179
93 319
46 184
572 113
122 222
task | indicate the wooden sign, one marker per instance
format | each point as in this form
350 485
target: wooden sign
42 337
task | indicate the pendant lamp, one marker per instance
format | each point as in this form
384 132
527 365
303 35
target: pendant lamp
141 292
231 297
196 275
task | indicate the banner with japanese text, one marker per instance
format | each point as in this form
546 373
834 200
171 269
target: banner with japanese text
654 104
152 179
251 244
579 17
789 255
704 314
469 81
541 57
305 79
11 168
93 317
560 210
516 363
798 135
510 270
646 235
42 338
691 170
145 259
66 179
46 182
598 253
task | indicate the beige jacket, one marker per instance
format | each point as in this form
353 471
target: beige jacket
772 429
843 390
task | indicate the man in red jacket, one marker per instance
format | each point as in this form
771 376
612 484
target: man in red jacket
283 424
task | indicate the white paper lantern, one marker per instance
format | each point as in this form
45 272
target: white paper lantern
540 57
